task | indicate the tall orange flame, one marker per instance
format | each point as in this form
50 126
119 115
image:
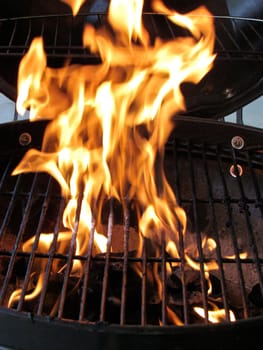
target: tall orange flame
110 122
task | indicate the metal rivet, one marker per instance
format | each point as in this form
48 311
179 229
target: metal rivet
25 139
236 170
237 142
229 92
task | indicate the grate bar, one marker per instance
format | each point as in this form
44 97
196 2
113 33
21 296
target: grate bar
34 247
86 269
144 283
125 261
72 247
257 32
246 39
28 37
13 195
70 39
50 258
198 233
163 282
180 233
56 34
229 35
131 259
107 263
259 198
217 200
20 232
11 38
216 235
234 237
158 260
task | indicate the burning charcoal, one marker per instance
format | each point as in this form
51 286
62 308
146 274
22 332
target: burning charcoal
153 313
54 293
133 306
133 299
93 297
114 288
194 297
193 287
52 296
255 296
190 276
174 288
118 238
113 303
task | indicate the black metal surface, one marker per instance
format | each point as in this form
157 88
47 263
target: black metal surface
235 80
59 335
225 208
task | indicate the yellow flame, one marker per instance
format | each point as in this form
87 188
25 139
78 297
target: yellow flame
31 80
242 255
62 241
109 123
209 244
125 19
208 266
173 318
215 316
17 293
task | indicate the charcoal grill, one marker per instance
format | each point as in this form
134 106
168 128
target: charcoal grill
224 89
227 208
218 182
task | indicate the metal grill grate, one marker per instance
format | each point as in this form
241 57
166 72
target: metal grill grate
226 208
224 90
236 39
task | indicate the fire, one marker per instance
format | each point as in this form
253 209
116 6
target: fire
216 315
125 19
75 5
109 123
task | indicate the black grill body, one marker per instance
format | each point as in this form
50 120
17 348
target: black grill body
234 81
219 185
198 160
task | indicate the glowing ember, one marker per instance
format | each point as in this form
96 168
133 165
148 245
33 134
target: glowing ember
215 316
110 123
